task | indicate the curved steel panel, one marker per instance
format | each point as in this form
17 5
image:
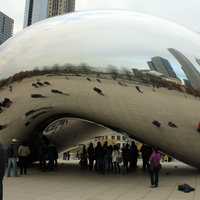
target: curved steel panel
124 70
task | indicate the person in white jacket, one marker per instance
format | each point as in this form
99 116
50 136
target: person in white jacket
23 153
116 157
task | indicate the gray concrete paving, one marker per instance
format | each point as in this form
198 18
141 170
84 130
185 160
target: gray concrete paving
71 183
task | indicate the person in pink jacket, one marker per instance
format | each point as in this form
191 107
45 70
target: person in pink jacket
155 167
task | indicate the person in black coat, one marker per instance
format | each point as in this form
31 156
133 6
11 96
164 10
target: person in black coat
91 154
126 157
146 153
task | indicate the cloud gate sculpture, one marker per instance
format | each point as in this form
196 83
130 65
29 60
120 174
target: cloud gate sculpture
123 70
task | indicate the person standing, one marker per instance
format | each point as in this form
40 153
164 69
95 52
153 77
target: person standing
126 157
2 169
99 157
52 157
23 153
133 156
83 161
155 167
12 158
105 156
116 156
43 154
146 152
110 163
90 152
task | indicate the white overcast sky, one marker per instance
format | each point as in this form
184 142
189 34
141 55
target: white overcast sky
185 12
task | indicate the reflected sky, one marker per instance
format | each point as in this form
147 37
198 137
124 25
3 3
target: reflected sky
99 38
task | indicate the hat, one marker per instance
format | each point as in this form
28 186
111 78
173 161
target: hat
14 140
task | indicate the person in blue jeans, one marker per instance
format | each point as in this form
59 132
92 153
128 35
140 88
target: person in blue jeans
12 158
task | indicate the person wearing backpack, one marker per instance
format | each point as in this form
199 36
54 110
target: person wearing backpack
23 153
154 167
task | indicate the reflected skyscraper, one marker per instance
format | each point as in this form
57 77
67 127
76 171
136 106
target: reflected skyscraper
190 71
37 10
156 110
6 27
60 7
162 65
198 61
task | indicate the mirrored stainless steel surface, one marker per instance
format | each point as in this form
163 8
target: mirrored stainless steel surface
127 71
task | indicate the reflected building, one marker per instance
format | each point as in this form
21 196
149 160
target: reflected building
49 82
187 83
198 61
190 71
37 10
6 27
60 7
162 65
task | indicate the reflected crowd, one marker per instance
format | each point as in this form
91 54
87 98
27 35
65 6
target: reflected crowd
111 159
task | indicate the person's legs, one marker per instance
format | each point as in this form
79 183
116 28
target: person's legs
21 165
9 167
1 189
97 165
156 177
92 164
89 164
55 163
118 167
152 177
25 165
143 164
131 164
14 164
111 164
125 163
135 162
115 167
51 164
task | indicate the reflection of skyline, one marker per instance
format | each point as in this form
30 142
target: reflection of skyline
99 38
162 65
198 61
190 71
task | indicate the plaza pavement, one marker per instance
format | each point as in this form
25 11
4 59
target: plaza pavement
70 183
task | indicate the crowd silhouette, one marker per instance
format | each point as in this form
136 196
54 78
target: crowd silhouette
106 159
109 158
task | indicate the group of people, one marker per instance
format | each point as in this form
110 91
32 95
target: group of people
108 158
17 153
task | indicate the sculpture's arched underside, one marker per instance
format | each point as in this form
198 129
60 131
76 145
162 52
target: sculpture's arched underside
157 110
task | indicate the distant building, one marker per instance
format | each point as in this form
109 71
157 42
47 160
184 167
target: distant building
190 71
37 10
187 83
162 65
151 66
6 27
60 7
198 61
137 73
